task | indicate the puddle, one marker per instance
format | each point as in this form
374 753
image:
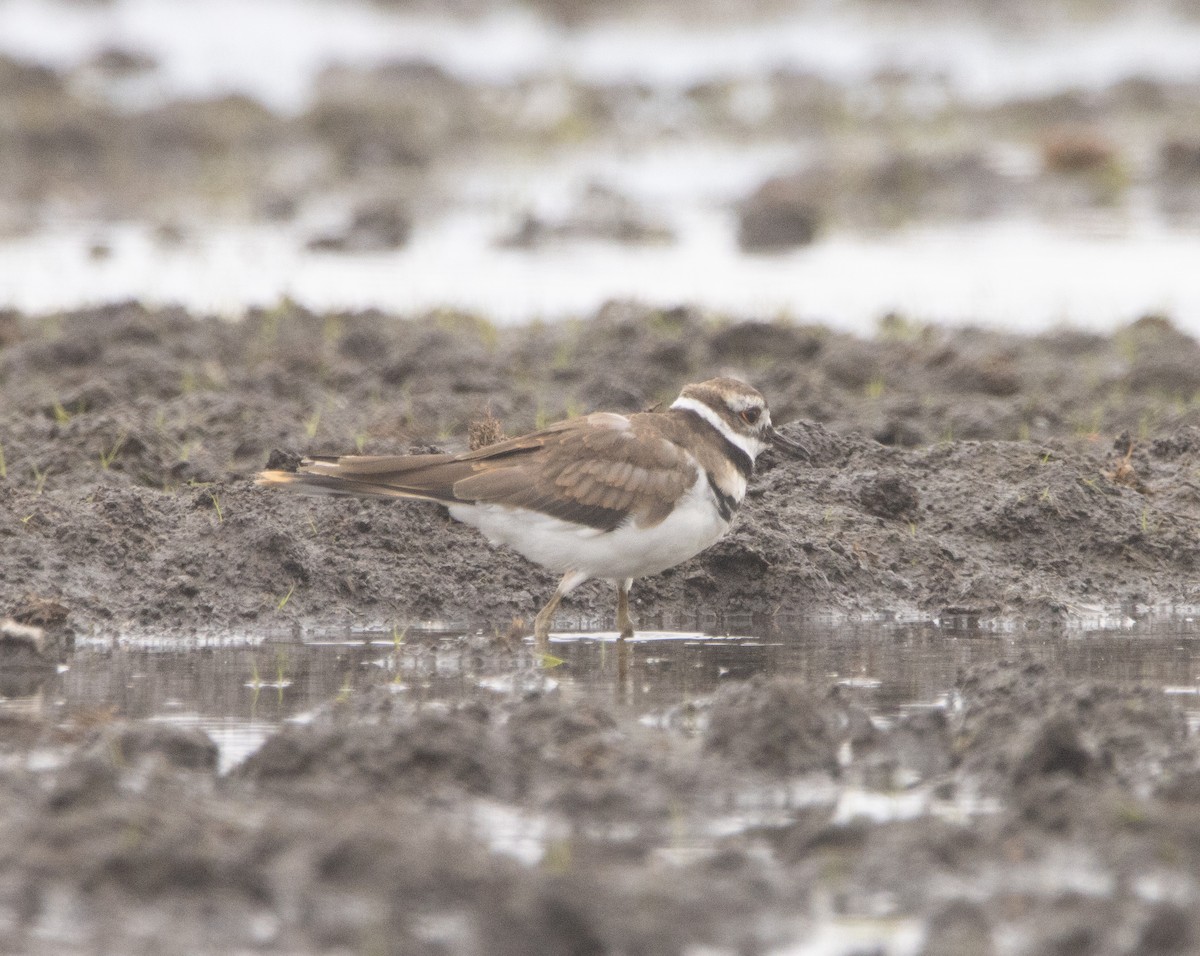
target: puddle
940 273
239 691
893 936
236 737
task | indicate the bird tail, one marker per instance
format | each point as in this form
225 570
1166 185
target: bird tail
398 476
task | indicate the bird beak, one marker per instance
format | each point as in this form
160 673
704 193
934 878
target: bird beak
787 446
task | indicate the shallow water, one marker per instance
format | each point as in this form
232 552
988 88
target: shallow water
946 274
1110 269
239 691
200 56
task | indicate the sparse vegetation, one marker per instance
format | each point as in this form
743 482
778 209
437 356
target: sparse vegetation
108 455
468 325
312 424
549 661
283 601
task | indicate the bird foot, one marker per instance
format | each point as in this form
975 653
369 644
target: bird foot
541 625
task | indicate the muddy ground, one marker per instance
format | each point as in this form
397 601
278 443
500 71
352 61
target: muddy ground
979 478
959 472
365 831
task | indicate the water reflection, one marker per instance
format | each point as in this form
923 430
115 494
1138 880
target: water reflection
239 692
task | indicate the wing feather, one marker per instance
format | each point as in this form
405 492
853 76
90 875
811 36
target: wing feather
600 471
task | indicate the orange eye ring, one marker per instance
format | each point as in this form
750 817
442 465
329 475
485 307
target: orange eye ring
751 415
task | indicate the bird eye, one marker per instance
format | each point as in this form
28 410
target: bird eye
751 415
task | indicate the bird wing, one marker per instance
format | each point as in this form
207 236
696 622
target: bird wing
596 470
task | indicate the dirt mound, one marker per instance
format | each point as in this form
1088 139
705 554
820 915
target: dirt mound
130 438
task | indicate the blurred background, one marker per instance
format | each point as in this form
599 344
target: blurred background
1012 163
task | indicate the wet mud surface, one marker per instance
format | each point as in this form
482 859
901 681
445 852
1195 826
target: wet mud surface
447 798
994 778
949 472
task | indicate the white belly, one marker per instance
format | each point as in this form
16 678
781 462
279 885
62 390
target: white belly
626 552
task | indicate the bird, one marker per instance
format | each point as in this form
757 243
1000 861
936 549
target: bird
606 495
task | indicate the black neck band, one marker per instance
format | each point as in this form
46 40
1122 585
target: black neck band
741 461
726 504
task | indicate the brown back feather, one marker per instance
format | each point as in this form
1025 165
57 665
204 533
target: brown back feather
596 470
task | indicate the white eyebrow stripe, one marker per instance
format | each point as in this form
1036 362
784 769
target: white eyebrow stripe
739 403
738 441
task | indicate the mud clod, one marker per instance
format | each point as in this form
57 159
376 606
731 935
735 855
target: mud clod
40 611
774 725
129 745
1056 748
1169 929
959 929
888 496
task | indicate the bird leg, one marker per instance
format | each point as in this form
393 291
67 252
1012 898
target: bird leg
541 624
623 688
624 624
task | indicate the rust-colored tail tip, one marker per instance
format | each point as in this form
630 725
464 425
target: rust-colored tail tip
267 478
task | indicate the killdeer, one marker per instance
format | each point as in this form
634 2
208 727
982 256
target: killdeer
603 496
